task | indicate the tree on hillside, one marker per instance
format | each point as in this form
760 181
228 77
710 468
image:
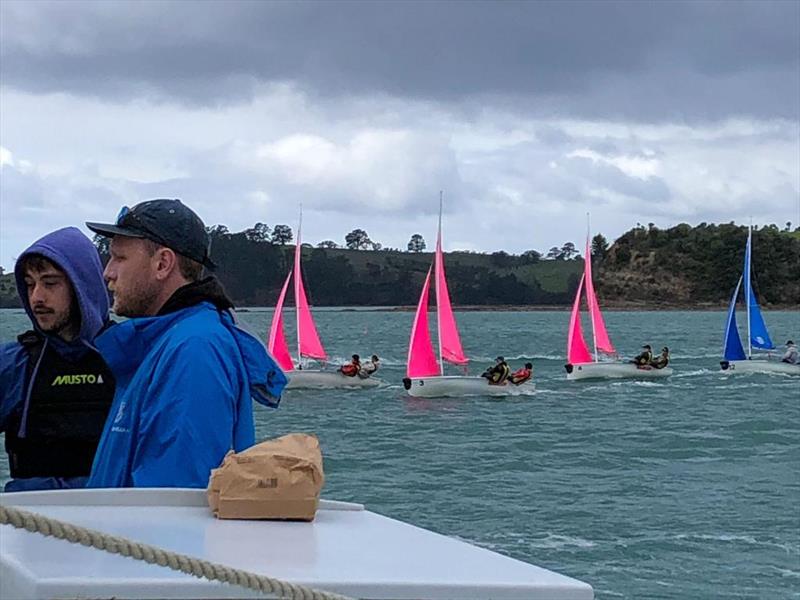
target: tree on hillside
258 233
282 234
416 243
568 251
102 243
530 257
357 240
554 253
599 247
501 259
328 244
215 231
376 246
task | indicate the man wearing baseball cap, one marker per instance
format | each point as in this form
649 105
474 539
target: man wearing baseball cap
185 372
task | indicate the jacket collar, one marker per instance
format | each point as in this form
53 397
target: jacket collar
125 345
205 290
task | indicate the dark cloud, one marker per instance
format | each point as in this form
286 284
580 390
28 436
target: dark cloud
637 60
605 177
550 135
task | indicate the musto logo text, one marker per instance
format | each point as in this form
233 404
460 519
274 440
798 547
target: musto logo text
77 379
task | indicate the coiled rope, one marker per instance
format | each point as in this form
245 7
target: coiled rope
38 523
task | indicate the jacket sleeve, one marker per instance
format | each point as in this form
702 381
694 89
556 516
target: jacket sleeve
190 418
13 365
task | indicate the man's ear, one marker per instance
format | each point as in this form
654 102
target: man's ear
166 261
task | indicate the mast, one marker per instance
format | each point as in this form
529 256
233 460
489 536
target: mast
297 283
748 286
589 258
438 315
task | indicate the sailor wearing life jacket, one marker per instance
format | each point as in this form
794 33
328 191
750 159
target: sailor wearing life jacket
352 368
368 368
56 389
662 360
522 375
498 374
644 358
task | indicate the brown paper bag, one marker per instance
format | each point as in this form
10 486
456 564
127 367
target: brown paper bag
276 479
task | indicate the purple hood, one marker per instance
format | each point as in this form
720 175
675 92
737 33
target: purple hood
75 254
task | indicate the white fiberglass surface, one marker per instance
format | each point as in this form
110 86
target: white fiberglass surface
348 551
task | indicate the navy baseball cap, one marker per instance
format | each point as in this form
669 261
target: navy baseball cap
167 222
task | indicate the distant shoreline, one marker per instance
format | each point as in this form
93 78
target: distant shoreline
613 307
605 308
610 307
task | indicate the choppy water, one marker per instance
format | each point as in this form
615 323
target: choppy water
688 488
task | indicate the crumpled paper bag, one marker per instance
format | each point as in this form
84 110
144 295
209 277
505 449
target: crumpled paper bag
276 479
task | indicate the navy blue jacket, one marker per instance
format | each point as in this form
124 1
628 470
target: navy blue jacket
75 254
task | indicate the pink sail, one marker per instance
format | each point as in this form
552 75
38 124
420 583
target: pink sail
577 352
277 339
449 339
307 336
421 358
600 334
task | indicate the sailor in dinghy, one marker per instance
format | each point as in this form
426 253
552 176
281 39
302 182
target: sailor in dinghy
309 345
584 365
735 360
424 371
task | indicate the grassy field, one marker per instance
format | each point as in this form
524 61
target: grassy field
552 275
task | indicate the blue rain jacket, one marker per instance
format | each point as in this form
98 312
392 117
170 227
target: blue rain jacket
185 381
75 254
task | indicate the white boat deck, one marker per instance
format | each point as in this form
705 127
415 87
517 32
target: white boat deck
346 550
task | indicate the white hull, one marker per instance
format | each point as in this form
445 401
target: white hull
458 385
321 380
346 550
759 366
614 370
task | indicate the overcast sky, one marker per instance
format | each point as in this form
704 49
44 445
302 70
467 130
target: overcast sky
526 115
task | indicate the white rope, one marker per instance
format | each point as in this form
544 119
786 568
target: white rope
37 523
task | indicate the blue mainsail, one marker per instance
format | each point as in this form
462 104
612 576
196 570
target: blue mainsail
759 336
733 343
757 329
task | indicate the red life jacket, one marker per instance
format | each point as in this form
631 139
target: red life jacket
520 376
349 370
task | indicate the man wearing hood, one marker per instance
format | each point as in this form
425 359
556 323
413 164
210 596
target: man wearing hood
56 389
186 374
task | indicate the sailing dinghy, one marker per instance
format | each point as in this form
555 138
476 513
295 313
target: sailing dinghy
425 376
309 344
734 358
581 363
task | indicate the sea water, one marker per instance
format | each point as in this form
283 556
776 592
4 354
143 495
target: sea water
682 488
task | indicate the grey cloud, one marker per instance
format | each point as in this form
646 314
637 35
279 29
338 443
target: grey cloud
641 60
553 136
647 190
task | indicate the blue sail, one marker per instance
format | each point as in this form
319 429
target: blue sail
759 336
757 329
733 343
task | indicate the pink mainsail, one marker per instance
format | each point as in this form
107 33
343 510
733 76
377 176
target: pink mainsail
577 352
421 358
450 341
600 334
307 337
277 339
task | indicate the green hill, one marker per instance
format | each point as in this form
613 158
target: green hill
700 265
645 267
254 271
